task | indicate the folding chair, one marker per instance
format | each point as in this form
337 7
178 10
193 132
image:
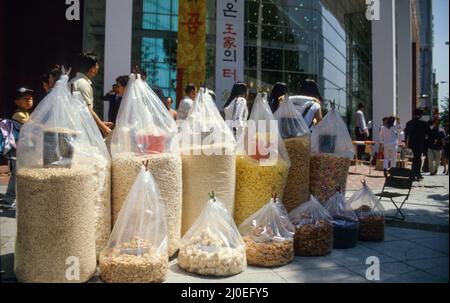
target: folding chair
400 179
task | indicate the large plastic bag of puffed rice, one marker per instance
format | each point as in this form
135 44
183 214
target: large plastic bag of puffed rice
137 248
213 246
332 150
144 132
297 139
262 163
63 206
209 162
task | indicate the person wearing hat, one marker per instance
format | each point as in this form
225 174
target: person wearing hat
361 130
416 133
24 102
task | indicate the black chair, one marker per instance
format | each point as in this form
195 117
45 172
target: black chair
400 179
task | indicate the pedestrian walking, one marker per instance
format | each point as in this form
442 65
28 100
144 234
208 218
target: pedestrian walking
445 151
435 147
416 133
361 130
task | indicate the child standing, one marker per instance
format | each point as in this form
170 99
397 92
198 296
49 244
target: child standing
24 102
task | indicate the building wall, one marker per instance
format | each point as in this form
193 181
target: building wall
322 40
426 52
41 37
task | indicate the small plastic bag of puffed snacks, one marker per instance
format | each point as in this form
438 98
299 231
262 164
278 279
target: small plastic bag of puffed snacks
137 251
213 245
268 235
313 229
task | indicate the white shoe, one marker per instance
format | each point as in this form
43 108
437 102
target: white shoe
12 206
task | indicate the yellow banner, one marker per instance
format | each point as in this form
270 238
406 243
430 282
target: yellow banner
191 44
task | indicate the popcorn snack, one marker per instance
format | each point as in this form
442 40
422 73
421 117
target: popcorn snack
371 227
55 221
268 235
326 173
297 182
314 239
137 248
136 261
370 213
213 245
313 229
255 185
63 190
297 139
167 170
208 254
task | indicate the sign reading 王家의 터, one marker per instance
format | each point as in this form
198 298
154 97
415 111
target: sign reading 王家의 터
229 47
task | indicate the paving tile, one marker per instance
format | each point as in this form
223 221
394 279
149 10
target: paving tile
438 244
412 234
300 263
358 255
325 275
247 278
183 279
387 270
8 229
435 266
417 276
403 250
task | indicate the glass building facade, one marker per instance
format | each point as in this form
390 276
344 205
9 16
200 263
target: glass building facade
325 40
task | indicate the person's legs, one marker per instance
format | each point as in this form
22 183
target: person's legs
10 195
417 163
360 148
438 161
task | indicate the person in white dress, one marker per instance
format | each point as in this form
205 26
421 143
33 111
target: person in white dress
236 110
187 102
389 139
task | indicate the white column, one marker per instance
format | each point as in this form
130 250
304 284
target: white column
118 26
404 60
384 65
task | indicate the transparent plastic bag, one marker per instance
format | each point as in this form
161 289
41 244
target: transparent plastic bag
213 245
262 164
297 139
144 125
209 160
268 235
332 151
137 249
370 213
331 136
290 121
62 184
314 229
345 221
144 132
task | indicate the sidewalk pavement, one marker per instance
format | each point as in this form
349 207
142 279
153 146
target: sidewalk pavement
427 207
406 255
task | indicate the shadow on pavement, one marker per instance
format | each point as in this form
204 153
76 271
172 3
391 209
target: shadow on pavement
7 213
7 269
